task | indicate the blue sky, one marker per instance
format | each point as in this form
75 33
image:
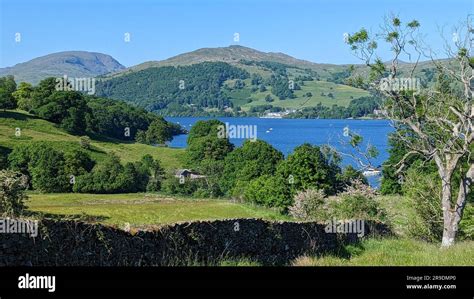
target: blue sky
311 30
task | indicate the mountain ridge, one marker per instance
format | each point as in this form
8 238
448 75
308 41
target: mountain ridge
232 54
70 63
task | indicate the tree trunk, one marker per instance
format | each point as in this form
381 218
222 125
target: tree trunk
452 217
449 230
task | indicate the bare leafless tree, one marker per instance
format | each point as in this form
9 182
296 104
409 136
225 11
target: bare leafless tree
435 122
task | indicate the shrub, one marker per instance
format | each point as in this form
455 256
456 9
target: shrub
358 187
12 196
309 205
356 206
466 226
423 192
85 142
3 158
358 201
172 185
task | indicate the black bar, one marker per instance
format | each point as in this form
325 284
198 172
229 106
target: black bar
241 282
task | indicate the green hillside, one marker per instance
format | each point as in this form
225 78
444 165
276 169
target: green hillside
221 87
342 95
36 129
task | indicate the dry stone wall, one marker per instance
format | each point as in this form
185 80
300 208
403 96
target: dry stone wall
71 243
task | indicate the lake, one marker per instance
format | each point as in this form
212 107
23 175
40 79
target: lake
286 134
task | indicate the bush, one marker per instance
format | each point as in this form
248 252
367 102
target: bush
358 201
172 185
466 226
85 142
423 192
309 205
359 187
3 158
356 206
12 196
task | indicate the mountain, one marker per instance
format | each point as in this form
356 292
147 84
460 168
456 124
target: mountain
72 63
228 81
233 54
233 80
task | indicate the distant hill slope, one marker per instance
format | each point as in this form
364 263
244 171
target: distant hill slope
229 80
233 54
71 63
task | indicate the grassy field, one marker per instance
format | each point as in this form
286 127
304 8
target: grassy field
343 94
36 129
397 252
141 209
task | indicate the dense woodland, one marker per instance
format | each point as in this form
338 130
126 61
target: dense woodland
85 115
172 89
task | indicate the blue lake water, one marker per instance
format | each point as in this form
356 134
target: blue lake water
286 134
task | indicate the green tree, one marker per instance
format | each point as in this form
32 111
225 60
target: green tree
308 167
248 162
111 176
205 142
41 93
77 162
155 172
66 108
157 133
104 178
43 164
269 191
23 96
7 88
212 169
268 98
